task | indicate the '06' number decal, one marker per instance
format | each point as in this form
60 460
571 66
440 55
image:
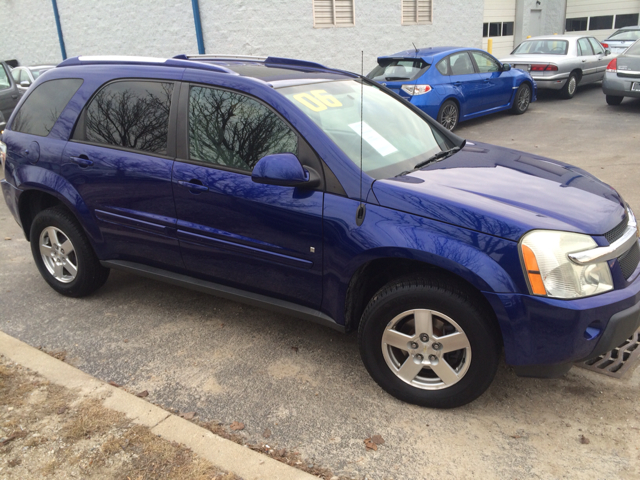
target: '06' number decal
317 100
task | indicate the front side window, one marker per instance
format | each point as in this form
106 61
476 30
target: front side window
393 137
485 63
233 130
130 114
461 64
43 106
15 73
542 47
4 78
24 77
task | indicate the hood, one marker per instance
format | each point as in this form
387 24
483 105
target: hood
505 193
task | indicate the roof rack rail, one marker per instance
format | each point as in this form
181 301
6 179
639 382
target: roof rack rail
131 60
215 56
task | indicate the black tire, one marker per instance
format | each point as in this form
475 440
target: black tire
89 274
448 115
570 88
443 299
614 100
522 100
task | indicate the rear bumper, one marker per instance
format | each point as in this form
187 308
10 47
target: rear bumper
545 336
555 82
617 86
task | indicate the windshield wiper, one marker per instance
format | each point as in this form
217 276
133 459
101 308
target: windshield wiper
433 158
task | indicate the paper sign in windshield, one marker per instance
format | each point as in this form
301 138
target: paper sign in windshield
373 138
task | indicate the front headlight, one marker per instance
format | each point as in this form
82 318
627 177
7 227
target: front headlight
551 273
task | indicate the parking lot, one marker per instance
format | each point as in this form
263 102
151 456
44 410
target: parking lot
306 385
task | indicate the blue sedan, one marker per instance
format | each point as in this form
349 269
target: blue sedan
453 84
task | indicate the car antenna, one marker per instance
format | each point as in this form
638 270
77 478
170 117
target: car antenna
415 48
362 210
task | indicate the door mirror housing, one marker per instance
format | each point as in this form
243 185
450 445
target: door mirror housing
607 51
506 67
284 169
25 83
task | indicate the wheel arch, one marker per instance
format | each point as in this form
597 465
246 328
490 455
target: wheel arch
578 73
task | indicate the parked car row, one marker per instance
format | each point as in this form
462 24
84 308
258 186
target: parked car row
324 195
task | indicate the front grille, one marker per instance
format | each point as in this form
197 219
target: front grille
629 260
618 230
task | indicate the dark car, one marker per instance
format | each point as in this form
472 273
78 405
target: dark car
320 194
622 78
453 84
9 94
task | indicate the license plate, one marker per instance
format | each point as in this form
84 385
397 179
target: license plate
526 68
635 86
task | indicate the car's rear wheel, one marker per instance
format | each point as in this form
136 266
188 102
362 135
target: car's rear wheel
569 89
614 100
522 99
426 342
448 115
64 255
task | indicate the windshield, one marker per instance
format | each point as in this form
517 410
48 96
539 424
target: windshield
399 69
394 138
625 35
544 47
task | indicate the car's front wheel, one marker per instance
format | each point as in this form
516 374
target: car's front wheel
614 100
448 115
428 343
64 255
522 99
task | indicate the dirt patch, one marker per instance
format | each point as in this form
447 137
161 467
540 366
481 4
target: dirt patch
49 431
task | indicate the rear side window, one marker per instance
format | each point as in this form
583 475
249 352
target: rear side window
584 48
461 64
43 106
597 48
234 130
443 66
130 114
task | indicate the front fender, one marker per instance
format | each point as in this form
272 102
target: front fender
31 178
488 263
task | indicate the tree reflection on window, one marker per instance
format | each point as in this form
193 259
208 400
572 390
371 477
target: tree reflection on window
132 115
234 130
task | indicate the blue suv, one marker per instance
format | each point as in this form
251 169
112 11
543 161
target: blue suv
320 194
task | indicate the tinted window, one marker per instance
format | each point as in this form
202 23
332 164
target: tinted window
130 114
442 67
604 22
485 63
461 64
233 130
584 48
43 106
507 29
4 79
628 20
597 48
576 24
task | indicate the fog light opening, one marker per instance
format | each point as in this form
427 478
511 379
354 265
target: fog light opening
593 330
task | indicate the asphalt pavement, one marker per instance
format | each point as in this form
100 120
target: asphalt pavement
306 384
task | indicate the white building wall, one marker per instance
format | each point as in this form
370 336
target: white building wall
499 11
594 8
248 27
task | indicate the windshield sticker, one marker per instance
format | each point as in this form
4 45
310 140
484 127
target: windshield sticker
373 138
317 100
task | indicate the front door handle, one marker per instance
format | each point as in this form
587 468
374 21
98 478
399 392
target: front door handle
193 186
14 96
83 161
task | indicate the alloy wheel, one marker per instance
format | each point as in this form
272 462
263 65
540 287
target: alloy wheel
58 255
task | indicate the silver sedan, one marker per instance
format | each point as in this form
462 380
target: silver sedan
622 78
561 62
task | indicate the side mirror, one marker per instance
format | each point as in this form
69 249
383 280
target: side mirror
607 51
25 84
284 169
506 67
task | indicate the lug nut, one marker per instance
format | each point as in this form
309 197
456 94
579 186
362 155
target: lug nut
433 358
437 346
419 357
413 345
424 337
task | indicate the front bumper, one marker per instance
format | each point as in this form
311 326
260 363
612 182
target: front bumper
543 336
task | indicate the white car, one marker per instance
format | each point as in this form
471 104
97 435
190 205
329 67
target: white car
25 76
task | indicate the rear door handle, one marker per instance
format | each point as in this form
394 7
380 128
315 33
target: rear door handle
457 84
193 186
83 161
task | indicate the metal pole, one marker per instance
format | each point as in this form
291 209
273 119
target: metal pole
60 39
196 19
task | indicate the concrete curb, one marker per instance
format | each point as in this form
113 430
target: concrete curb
225 454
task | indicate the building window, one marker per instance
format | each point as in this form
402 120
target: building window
604 22
497 29
576 24
333 13
628 20
417 12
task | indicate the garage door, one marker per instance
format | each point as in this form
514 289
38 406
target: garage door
499 21
600 18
